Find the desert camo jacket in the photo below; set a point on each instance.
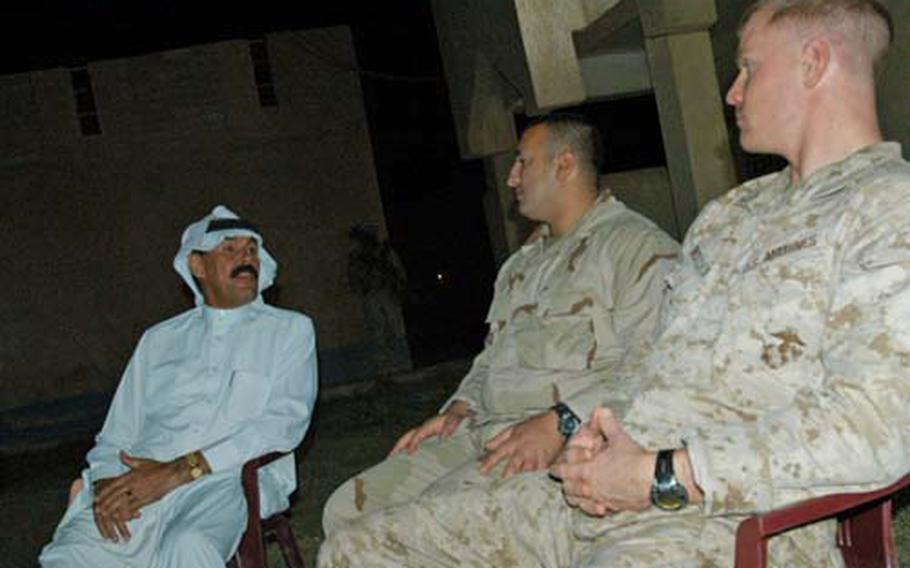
(566, 309)
(783, 363)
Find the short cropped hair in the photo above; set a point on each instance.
(577, 134)
(867, 22)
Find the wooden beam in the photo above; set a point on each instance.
(691, 120)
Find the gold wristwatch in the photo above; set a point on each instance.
(194, 462)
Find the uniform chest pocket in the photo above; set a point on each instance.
(798, 275)
(246, 395)
(558, 335)
(788, 295)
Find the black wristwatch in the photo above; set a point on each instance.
(568, 420)
(667, 492)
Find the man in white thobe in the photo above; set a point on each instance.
(205, 391)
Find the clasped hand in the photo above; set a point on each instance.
(119, 499)
(603, 470)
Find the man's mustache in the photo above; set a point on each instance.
(244, 268)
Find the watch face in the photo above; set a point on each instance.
(568, 422)
(669, 498)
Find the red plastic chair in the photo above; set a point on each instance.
(864, 533)
(251, 552)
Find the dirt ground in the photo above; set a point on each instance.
(353, 428)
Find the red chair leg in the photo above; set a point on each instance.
(866, 539)
(288, 544)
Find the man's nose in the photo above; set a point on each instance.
(514, 178)
(735, 92)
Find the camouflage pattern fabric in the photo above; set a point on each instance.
(564, 312)
(782, 364)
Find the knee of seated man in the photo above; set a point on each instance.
(340, 508)
(360, 495)
(56, 556)
(340, 543)
(188, 540)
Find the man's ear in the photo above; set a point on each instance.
(816, 60)
(197, 268)
(566, 165)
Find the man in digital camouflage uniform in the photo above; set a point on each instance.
(781, 368)
(584, 289)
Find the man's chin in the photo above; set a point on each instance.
(247, 294)
(526, 211)
(748, 143)
(245, 299)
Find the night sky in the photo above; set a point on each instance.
(431, 198)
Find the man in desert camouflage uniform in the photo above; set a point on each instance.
(584, 289)
(781, 368)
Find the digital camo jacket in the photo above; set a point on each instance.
(784, 358)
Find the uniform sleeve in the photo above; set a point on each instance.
(471, 388)
(289, 406)
(639, 265)
(123, 422)
(849, 432)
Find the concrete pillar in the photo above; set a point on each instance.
(688, 100)
(553, 66)
(486, 75)
(647, 191)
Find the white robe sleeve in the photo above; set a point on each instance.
(123, 422)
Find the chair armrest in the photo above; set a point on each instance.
(251, 551)
(820, 508)
(250, 477)
(863, 530)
